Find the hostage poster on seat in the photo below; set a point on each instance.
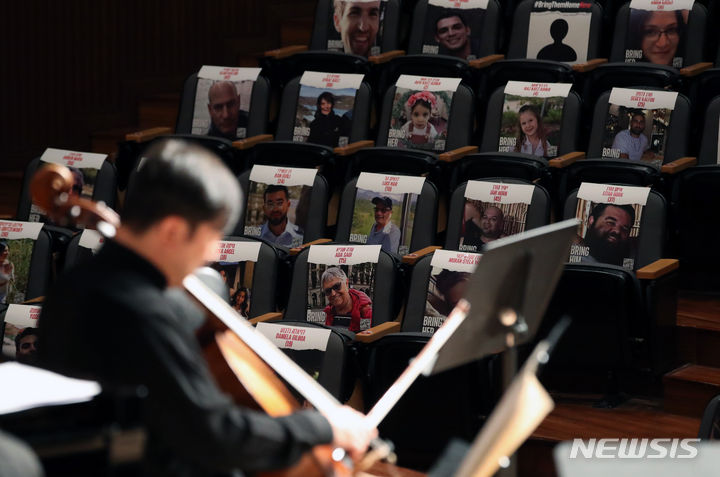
(454, 28)
(356, 27)
(17, 240)
(236, 265)
(559, 31)
(20, 333)
(305, 345)
(657, 31)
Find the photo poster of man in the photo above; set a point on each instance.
(532, 117)
(420, 112)
(356, 27)
(341, 285)
(636, 125)
(384, 212)
(222, 101)
(559, 31)
(236, 265)
(493, 210)
(454, 28)
(20, 332)
(278, 204)
(449, 277)
(325, 108)
(656, 32)
(17, 240)
(84, 167)
(610, 217)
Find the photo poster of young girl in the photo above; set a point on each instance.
(17, 240)
(448, 281)
(222, 101)
(236, 265)
(636, 125)
(420, 112)
(454, 28)
(610, 217)
(84, 167)
(493, 210)
(278, 204)
(341, 285)
(532, 117)
(325, 108)
(20, 332)
(559, 31)
(656, 32)
(356, 27)
(384, 212)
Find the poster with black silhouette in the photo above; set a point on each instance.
(493, 210)
(341, 285)
(84, 167)
(610, 217)
(420, 112)
(636, 125)
(384, 212)
(236, 265)
(356, 27)
(325, 108)
(449, 276)
(532, 117)
(278, 204)
(656, 32)
(222, 101)
(19, 325)
(559, 31)
(454, 28)
(17, 240)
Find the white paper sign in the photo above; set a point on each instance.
(390, 183)
(238, 251)
(295, 337)
(613, 194)
(499, 192)
(643, 99)
(19, 230)
(288, 176)
(426, 83)
(77, 159)
(460, 4)
(662, 5)
(228, 73)
(538, 90)
(343, 254)
(455, 261)
(331, 80)
(91, 239)
(575, 40)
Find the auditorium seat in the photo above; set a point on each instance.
(25, 261)
(710, 424)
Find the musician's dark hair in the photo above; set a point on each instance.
(180, 178)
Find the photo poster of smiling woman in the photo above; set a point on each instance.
(656, 32)
(454, 28)
(356, 27)
(17, 241)
(236, 265)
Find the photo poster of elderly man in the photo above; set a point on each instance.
(384, 212)
(325, 108)
(559, 31)
(532, 117)
(278, 204)
(236, 265)
(84, 167)
(17, 240)
(20, 332)
(222, 101)
(656, 32)
(420, 112)
(493, 210)
(610, 217)
(341, 285)
(454, 28)
(356, 27)
(636, 125)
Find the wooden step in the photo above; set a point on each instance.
(698, 322)
(689, 388)
(158, 110)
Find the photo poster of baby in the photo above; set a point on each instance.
(559, 31)
(454, 28)
(236, 265)
(656, 32)
(19, 326)
(356, 27)
(17, 241)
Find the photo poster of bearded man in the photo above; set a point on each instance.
(636, 125)
(17, 241)
(384, 211)
(493, 210)
(341, 285)
(559, 31)
(356, 27)
(656, 32)
(222, 101)
(236, 265)
(420, 112)
(610, 217)
(325, 108)
(532, 118)
(84, 167)
(278, 204)
(19, 320)
(454, 28)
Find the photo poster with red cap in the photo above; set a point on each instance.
(384, 212)
(236, 265)
(532, 117)
(278, 204)
(493, 210)
(17, 241)
(637, 124)
(222, 101)
(559, 31)
(454, 28)
(657, 32)
(341, 285)
(420, 112)
(84, 167)
(610, 217)
(325, 108)
(449, 277)
(356, 27)
(19, 327)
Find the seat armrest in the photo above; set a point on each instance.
(147, 134)
(658, 269)
(678, 165)
(455, 154)
(296, 250)
(248, 142)
(694, 70)
(566, 159)
(589, 65)
(377, 332)
(485, 61)
(272, 316)
(352, 148)
(285, 51)
(385, 57)
(412, 258)
(32, 301)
